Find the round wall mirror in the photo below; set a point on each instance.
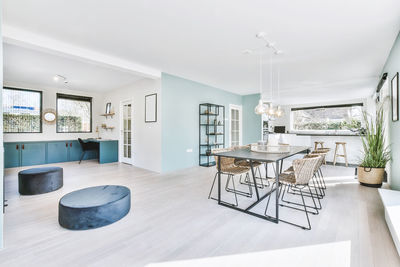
(49, 116)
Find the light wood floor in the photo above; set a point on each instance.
(172, 219)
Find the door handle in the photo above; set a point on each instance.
(70, 144)
(17, 147)
(66, 144)
(23, 147)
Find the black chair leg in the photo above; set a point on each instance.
(83, 154)
(215, 177)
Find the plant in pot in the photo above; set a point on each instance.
(376, 154)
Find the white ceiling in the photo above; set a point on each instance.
(37, 68)
(333, 48)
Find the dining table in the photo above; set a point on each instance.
(252, 157)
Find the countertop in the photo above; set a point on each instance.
(320, 134)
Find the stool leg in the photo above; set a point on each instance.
(334, 158)
(345, 155)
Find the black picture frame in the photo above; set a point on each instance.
(108, 108)
(150, 108)
(395, 97)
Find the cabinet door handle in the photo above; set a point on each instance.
(70, 144)
(66, 144)
(17, 147)
(23, 147)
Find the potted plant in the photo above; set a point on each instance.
(376, 154)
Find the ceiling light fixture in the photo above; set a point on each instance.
(268, 108)
(59, 78)
(260, 108)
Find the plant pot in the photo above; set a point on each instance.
(371, 177)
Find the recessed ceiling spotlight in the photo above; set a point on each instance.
(278, 52)
(59, 78)
(270, 44)
(247, 51)
(261, 35)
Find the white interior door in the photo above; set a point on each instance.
(235, 125)
(126, 132)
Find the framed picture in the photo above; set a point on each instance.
(150, 114)
(395, 97)
(108, 108)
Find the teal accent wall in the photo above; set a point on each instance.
(180, 119)
(392, 66)
(251, 121)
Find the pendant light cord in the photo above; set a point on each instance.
(260, 75)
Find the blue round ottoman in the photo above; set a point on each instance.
(94, 207)
(40, 180)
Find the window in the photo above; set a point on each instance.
(327, 118)
(74, 114)
(22, 111)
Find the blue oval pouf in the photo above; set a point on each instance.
(40, 180)
(94, 207)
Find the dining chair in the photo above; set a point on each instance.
(229, 168)
(256, 167)
(299, 177)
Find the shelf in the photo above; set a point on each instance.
(211, 144)
(108, 115)
(208, 164)
(108, 128)
(214, 123)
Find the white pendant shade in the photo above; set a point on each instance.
(260, 108)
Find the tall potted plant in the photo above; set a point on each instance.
(376, 154)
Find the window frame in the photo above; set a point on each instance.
(41, 109)
(360, 104)
(78, 98)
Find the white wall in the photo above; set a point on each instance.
(49, 101)
(146, 138)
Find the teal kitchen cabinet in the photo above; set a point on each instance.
(108, 151)
(33, 153)
(57, 151)
(17, 154)
(75, 151)
(11, 155)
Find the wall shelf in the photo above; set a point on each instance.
(108, 115)
(211, 131)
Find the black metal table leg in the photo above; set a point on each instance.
(219, 179)
(254, 179)
(277, 192)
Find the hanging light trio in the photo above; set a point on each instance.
(267, 107)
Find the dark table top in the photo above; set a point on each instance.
(264, 157)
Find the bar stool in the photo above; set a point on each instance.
(344, 155)
(316, 143)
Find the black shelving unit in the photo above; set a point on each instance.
(211, 131)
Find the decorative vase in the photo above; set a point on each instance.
(371, 177)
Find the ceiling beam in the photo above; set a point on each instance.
(12, 35)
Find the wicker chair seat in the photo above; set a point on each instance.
(287, 177)
(234, 170)
(245, 163)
